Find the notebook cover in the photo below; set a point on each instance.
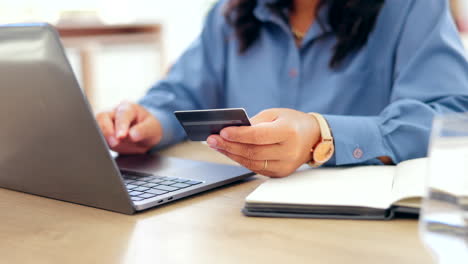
(389, 214)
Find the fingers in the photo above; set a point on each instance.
(146, 132)
(258, 166)
(130, 129)
(106, 123)
(249, 151)
(260, 134)
(265, 130)
(125, 115)
(278, 136)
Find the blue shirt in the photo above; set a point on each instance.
(380, 102)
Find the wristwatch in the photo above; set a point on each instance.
(324, 149)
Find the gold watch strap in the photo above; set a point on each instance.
(325, 135)
(324, 128)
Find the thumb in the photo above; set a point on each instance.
(268, 115)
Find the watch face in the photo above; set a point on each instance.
(323, 152)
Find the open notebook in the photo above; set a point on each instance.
(365, 192)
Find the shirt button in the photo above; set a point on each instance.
(357, 153)
(293, 73)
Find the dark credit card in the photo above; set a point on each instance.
(199, 124)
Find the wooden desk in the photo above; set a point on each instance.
(207, 228)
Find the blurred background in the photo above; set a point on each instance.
(119, 48)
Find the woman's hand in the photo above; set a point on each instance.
(278, 142)
(130, 128)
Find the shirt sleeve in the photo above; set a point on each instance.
(194, 81)
(430, 78)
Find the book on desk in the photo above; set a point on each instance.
(364, 192)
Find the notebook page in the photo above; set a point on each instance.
(366, 186)
(410, 179)
(449, 165)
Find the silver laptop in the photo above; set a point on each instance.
(50, 144)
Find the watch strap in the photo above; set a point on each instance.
(325, 131)
(325, 135)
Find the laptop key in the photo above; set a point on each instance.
(136, 199)
(193, 182)
(157, 181)
(135, 193)
(139, 183)
(156, 191)
(146, 195)
(141, 189)
(150, 185)
(167, 182)
(166, 188)
(146, 179)
(131, 186)
(181, 185)
(168, 178)
(181, 180)
(129, 181)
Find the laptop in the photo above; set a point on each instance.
(51, 146)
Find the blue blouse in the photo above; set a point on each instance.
(380, 102)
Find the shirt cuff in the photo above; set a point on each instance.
(358, 139)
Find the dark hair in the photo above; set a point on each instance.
(351, 21)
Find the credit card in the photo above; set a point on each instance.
(199, 124)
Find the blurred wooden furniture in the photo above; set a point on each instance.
(206, 228)
(85, 38)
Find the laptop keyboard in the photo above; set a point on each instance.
(146, 186)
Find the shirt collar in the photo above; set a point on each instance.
(263, 13)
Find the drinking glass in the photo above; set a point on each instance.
(443, 224)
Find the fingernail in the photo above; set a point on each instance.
(113, 141)
(211, 142)
(224, 134)
(121, 134)
(134, 134)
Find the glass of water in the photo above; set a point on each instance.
(443, 222)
